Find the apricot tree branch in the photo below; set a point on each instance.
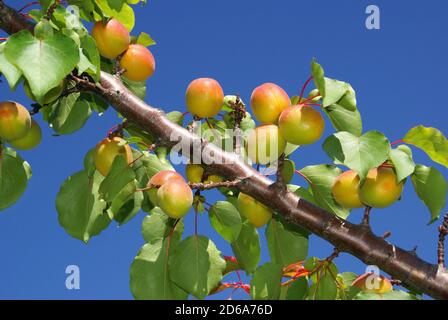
(347, 237)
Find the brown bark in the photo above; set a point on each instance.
(357, 240)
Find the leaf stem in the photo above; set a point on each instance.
(304, 87)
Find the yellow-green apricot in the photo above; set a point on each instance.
(194, 173)
(265, 144)
(31, 140)
(138, 63)
(111, 37)
(369, 282)
(49, 97)
(301, 125)
(380, 189)
(107, 150)
(346, 190)
(15, 120)
(175, 198)
(254, 211)
(158, 180)
(204, 97)
(268, 101)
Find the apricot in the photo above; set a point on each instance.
(254, 211)
(380, 189)
(204, 97)
(175, 198)
(265, 144)
(111, 37)
(301, 125)
(159, 179)
(194, 173)
(49, 97)
(31, 140)
(369, 282)
(107, 150)
(138, 63)
(346, 190)
(15, 120)
(268, 101)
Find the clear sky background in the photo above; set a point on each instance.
(398, 72)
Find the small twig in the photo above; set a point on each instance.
(238, 114)
(51, 10)
(35, 108)
(366, 218)
(386, 235)
(443, 232)
(304, 87)
(395, 282)
(280, 162)
(212, 185)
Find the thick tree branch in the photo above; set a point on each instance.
(347, 237)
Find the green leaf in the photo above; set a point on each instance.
(127, 203)
(81, 211)
(347, 291)
(318, 76)
(145, 40)
(226, 220)
(44, 63)
(344, 120)
(11, 73)
(324, 289)
(150, 275)
(431, 187)
(392, 295)
(69, 114)
(286, 243)
(91, 56)
(302, 193)
(431, 141)
(120, 174)
(197, 266)
(119, 10)
(298, 290)
(358, 153)
(137, 88)
(290, 148)
(403, 163)
(265, 284)
(158, 225)
(247, 248)
(176, 117)
(322, 178)
(14, 176)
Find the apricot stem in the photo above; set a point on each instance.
(34, 3)
(310, 99)
(3, 39)
(303, 176)
(304, 87)
(366, 218)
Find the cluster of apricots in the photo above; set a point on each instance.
(17, 127)
(379, 190)
(114, 42)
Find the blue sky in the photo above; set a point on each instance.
(398, 73)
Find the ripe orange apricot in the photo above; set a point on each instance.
(380, 189)
(49, 97)
(107, 150)
(175, 198)
(158, 180)
(301, 124)
(138, 62)
(346, 190)
(15, 120)
(31, 140)
(112, 38)
(265, 144)
(268, 101)
(256, 212)
(194, 173)
(204, 97)
(369, 282)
